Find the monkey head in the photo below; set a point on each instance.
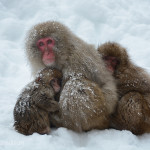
(114, 55)
(50, 78)
(46, 44)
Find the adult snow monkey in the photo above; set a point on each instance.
(88, 95)
(133, 84)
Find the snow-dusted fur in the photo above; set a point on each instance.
(74, 58)
(133, 83)
(36, 101)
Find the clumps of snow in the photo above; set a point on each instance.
(35, 85)
(24, 98)
(23, 105)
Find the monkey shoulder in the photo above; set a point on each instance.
(133, 78)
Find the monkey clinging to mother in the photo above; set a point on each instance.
(88, 94)
(133, 86)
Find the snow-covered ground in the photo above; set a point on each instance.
(95, 21)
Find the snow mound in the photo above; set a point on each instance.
(95, 21)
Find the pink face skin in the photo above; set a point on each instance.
(111, 63)
(45, 45)
(55, 84)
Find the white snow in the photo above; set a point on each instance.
(95, 21)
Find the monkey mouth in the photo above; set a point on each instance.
(49, 62)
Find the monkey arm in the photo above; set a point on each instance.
(48, 104)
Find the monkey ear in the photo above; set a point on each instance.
(38, 79)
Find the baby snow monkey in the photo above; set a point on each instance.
(37, 100)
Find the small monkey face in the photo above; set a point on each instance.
(50, 78)
(111, 63)
(55, 83)
(45, 45)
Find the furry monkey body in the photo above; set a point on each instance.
(81, 64)
(36, 102)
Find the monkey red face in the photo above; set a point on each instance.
(111, 63)
(45, 45)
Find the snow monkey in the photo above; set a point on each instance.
(133, 83)
(88, 88)
(37, 100)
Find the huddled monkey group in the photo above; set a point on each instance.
(79, 87)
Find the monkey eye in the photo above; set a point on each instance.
(49, 41)
(41, 43)
(114, 61)
(52, 82)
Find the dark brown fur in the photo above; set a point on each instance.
(33, 107)
(133, 84)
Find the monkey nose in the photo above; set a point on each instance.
(46, 48)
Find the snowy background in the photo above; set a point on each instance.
(95, 21)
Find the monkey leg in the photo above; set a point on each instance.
(83, 106)
(47, 104)
(131, 114)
